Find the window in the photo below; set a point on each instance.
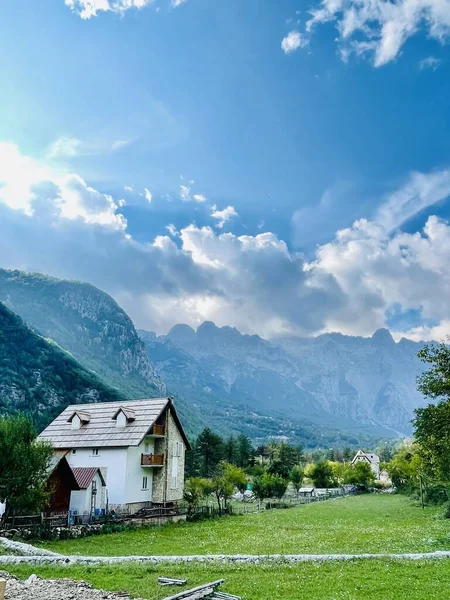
(174, 476)
(146, 447)
(74, 451)
(177, 448)
(94, 451)
(145, 483)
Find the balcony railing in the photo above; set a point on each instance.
(152, 460)
(158, 430)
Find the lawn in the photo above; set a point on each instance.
(365, 580)
(369, 523)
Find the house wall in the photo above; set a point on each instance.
(163, 490)
(81, 500)
(375, 465)
(60, 485)
(134, 493)
(112, 462)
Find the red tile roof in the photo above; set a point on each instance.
(85, 475)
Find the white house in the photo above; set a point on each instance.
(138, 445)
(370, 458)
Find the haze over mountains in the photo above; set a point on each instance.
(328, 390)
(365, 384)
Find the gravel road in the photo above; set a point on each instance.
(61, 589)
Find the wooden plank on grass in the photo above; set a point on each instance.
(189, 594)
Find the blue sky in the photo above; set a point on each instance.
(238, 137)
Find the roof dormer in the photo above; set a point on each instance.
(124, 416)
(79, 418)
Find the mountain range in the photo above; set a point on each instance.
(354, 383)
(323, 391)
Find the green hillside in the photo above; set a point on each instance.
(39, 378)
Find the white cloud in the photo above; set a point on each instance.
(64, 146)
(128, 188)
(55, 222)
(200, 198)
(431, 62)
(222, 216)
(177, 3)
(172, 230)
(185, 193)
(293, 41)
(419, 192)
(119, 144)
(382, 27)
(148, 194)
(23, 180)
(90, 8)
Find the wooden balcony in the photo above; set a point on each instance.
(157, 431)
(152, 460)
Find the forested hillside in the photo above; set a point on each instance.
(39, 378)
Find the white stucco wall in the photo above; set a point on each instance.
(80, 501)
(112, 462)
(134, 492)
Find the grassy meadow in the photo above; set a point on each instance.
(372, 523)
(356, 580)
(368, 523)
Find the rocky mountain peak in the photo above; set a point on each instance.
(383, 336)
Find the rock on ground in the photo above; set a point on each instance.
(54, 589)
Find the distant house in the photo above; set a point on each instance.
(370, 458)
(307, 492)
(136, 446)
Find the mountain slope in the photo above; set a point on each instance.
(359, 384)
(86, 322)
(38, 378)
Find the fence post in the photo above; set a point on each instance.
(2, 589)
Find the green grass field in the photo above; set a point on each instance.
(376, 523)
(365, 580)
(369, 523)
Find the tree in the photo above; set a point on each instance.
(209, 450)
(227, 477)
(245, 452)
(404, 468)
(360, 472)
(24, 466)
(259, 488)
(284, 457)
(321, 474)
(432, 423)
(195, 490)
(296, 478)
(230, 450)
(279, 486)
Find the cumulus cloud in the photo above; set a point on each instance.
(379, 28)
(87, 9)
(72, 198)
(57, 223)
(223, 216)
(200, 198)
(293, 41)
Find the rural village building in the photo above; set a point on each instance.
(135, 447)
(369, 457)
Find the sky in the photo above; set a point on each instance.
(279, 167)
